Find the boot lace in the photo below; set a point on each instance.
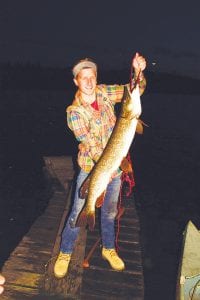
(64, 256)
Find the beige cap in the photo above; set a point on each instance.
(83, 64)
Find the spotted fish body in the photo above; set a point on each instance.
(116, 149)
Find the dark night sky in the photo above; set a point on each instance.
(58, 33)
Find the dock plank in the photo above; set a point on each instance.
(29, 269)
(25, 269)
(100, 279)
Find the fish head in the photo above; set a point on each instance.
(131, 105)
(126, 102)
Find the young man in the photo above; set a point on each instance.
(91, 117)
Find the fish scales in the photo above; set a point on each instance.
(116, 149)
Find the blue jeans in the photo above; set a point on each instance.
(108, 214)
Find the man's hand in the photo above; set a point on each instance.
(139, 63)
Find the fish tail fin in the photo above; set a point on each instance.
(91, 220)
(100, 200)
(86, 219)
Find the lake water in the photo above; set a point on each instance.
(167, 170)
(165, 159)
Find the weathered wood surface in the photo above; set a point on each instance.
(26, 268)
(29, 270)
(99, 280)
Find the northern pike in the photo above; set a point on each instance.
(115, 151)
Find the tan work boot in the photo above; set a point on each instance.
(114, 260)
(62, 264)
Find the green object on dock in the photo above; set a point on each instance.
(188, 283)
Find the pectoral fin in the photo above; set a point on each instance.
(140, 126)
(83, 192)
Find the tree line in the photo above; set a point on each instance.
(29, 76)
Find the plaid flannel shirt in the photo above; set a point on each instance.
(92, 128)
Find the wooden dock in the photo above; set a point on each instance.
(29, 269)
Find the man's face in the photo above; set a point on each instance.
(86, 81)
